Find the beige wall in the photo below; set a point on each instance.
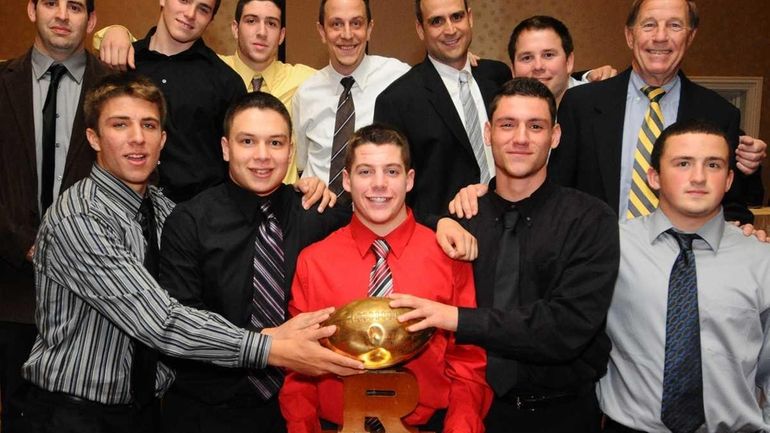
(733, 38)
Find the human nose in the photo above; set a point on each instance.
(62, 12)
(698, 174)
(661, 32)
(136, 134)
(260, 151)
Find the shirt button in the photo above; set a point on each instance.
(57, 115)
(58, 178)
(58, 145)
(163, 81)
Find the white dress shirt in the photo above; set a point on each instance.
(451, 79)
(314, 108)
(733, 274)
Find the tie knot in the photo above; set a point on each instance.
(267, 209)
(465, 77)
(347, 82)
(380, 248)
(654, 93)
(256, 83)
(510, 218)
(145, 209)
(56, 70)
(683, 239)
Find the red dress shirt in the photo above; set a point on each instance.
(336, 270)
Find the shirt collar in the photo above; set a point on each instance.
(528, 206)
(143, 46)
(270, 76)
(396, 239)
(360, 74)
(116, 190)
(75, 64)
(637, 84)
(449, 73)
(249, 203)
(711, 232)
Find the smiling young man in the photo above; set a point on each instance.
(259, 30)
(42, 152)
(440, 106)
(690, 316)
(339, 98)
(383, 234)
(100, 312)
(216, 249)
(548, 258)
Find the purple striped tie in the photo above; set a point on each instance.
(268, 303)
(380, 279)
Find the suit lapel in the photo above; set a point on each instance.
(610, 108)
(442, 103)
(78, 143)
(17, 82)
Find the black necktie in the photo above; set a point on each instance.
(268, 299)
(49, 137)
(145, 359)
(344, 126)
(501, 372)
(682, 400)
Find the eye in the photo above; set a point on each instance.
(119, 124)
(676, 26)
(649, 26)
(525, 58)
(506, 125)
(250, 20)
(714, 164)
(683, 163)
(273, 24)
(364, 171)
(457, 16)
(436, 21)
(247, 141)
(276, 143)
(549, 55)
(357, 24)
(393, 172)
(149, 125)
(76, 7)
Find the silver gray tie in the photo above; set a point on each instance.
(472, 126)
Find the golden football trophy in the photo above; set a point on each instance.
(369, 331)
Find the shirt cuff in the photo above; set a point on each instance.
(471, 325)
(256, 348)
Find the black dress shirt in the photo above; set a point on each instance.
(207, 253)
(198, 88)
(568, 265)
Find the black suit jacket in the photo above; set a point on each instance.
(591, 119)
(418, 104)
(19, 214)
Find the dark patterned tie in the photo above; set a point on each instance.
(501, 371)
(268, 302)
(145, 360)
(256, 83)
(49, 137)
(682, 401)
(344, 125)
(380, 278)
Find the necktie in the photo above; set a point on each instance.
(501, 372)
(641, 198)
(145, 359)
(268, 301)
(256, 83)
(49, 136)
(380, 278)
(472, 126)
(344, 125)
(682, 401)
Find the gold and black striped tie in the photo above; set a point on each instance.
(642, 200)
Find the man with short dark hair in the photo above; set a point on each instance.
(384, 250)
(100, 312)
(548, 258)
(690, 315)
(440, 106)
(259, 29)
(339, 98)
(43, 150)
(609, 127)
(214, 249)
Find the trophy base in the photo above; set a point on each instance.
(387, 395)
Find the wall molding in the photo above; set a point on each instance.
(743, 92)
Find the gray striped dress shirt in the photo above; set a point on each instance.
(94, 297)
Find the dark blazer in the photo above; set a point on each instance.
(418, 104)
(19, 215)
(591, 119)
